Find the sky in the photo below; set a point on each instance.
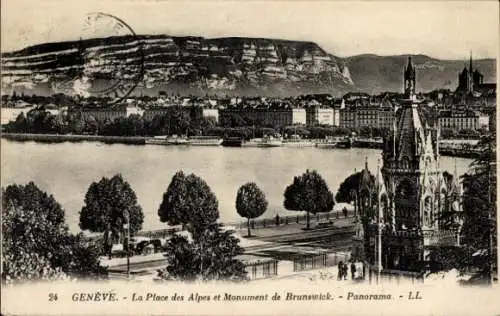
(442, 29)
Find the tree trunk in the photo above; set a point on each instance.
(308, 221)
(248, 225)
(108, 243)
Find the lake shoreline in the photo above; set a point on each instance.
(61, 138)
(141, 140)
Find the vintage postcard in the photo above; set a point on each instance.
(249, 157)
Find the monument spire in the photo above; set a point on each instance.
(470, 62)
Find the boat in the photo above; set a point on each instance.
(205, 141)
(157, 140)
(266, 141)
(166, 140)
(329, 143)
(232, 142)
(297, 142)
(176, 140)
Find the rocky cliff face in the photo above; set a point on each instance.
(178, 64)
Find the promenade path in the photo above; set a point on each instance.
(268, 233)
(282, 243)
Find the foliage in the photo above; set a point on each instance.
(189, 201)
(37, 120)
(344, 193)
(308, 192)
(250, 202)
(479, 200)
(211, 257)
(209, 253)
(36, 243)
(106, 205)
(478, 216)
(318, 132)
(296, 130)
(350, 184)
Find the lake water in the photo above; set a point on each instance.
(67, 169)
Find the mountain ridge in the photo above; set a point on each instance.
(233, 65)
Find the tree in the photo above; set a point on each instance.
(20, 125)
(212, 257)
(36, 243)
(309, 193)
(179, 121)
(250, 202)
(478, 217)
(106, 205)
(350, 184)
(209, 253)
(479, 206)
(349, 190)
(189, 201)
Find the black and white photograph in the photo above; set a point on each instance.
(249, 157)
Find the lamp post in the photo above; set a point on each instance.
(126, 225)
(380, 226)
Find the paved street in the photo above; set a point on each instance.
(275, 232)
(278, 242)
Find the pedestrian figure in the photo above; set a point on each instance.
(353, 270)
(344, 270)
(277, 220)
(344, 210)
(340, 272)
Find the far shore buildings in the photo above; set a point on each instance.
(98, 113)
(401, 210)
(471, 107)
(471, 81)
(263, 116)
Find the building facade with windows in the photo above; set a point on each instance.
(99, 114)
(213, 113)
(359, 115)
(460, 119)
(320, 116)
(261, 116)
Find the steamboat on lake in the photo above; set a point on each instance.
(296, 141)
(183, 140)
(264, 142)
(335, 142)
(167, 140)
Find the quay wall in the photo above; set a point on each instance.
(59, 138)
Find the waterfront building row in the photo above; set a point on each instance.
(348, 117)
(466, 119)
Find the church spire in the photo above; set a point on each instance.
(410, 66)
(470, 62)
(470, 75)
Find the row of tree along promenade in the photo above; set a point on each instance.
(38, 245)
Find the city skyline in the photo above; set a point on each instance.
(463, 25)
